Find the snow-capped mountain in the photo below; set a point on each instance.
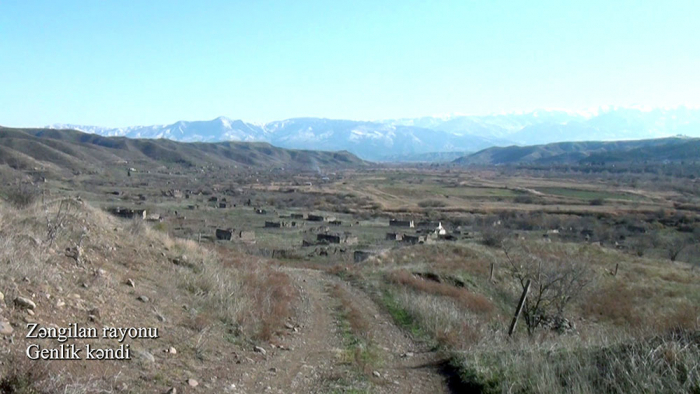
(391, 139)
(368, 140)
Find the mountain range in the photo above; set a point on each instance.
(408, 139)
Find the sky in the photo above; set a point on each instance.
(125, 63)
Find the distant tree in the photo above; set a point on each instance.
(673, 244)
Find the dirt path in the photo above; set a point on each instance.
(309, 361)
(409, 367)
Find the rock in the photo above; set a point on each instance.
(5, 328)
(289, 326)
(376, 374)
(130, 283)
(30, 312)
(172, 390)
(95, 312)
(143, 298)
(101, 272)
(192, 383)
(260, 350)
(2, 297)
(172, 350)
(60, 303)
(92, 318)
(407, 354)
(273, 370)
(25, 303)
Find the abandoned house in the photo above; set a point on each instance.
(360, 256)
(222, 205)
(346, 238)
(276, 224)
(412, 239)
(393, 237)
(128, 213)
(401, 223)
(224, 235)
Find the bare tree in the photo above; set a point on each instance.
(557, 277)
(673, 244)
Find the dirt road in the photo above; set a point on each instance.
(309, 359)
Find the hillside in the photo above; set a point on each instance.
(590, 151)
(73, 150)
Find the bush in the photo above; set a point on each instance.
(597, 201)
(493, 236)
(431, 204)
(22, 195)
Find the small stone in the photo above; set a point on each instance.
(407, 354)
(130, 283)
(60, 303)
(92, 318)
(2, 297)
(5, 328)
(95, 312)
(289, 326)
(192, 383)
(376, 374)
(30, 312)
(25, 303)
(143, 298)
(85, 285)
(260, 350)
(172, 390)
(172, 350)
(101, 272)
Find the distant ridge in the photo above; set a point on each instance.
(71, 151)
(673, 149)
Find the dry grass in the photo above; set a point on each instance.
(476, 303)
(620, 341)
(660, 364)
(190, 289)
(360, 349)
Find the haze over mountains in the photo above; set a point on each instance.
(416, 138)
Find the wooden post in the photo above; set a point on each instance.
(520, 308)
(491, 274)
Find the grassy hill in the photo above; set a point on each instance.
(675, 148)
(72, 150)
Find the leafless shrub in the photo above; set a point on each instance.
(493, 236)
(21, 194)
(557, 277)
